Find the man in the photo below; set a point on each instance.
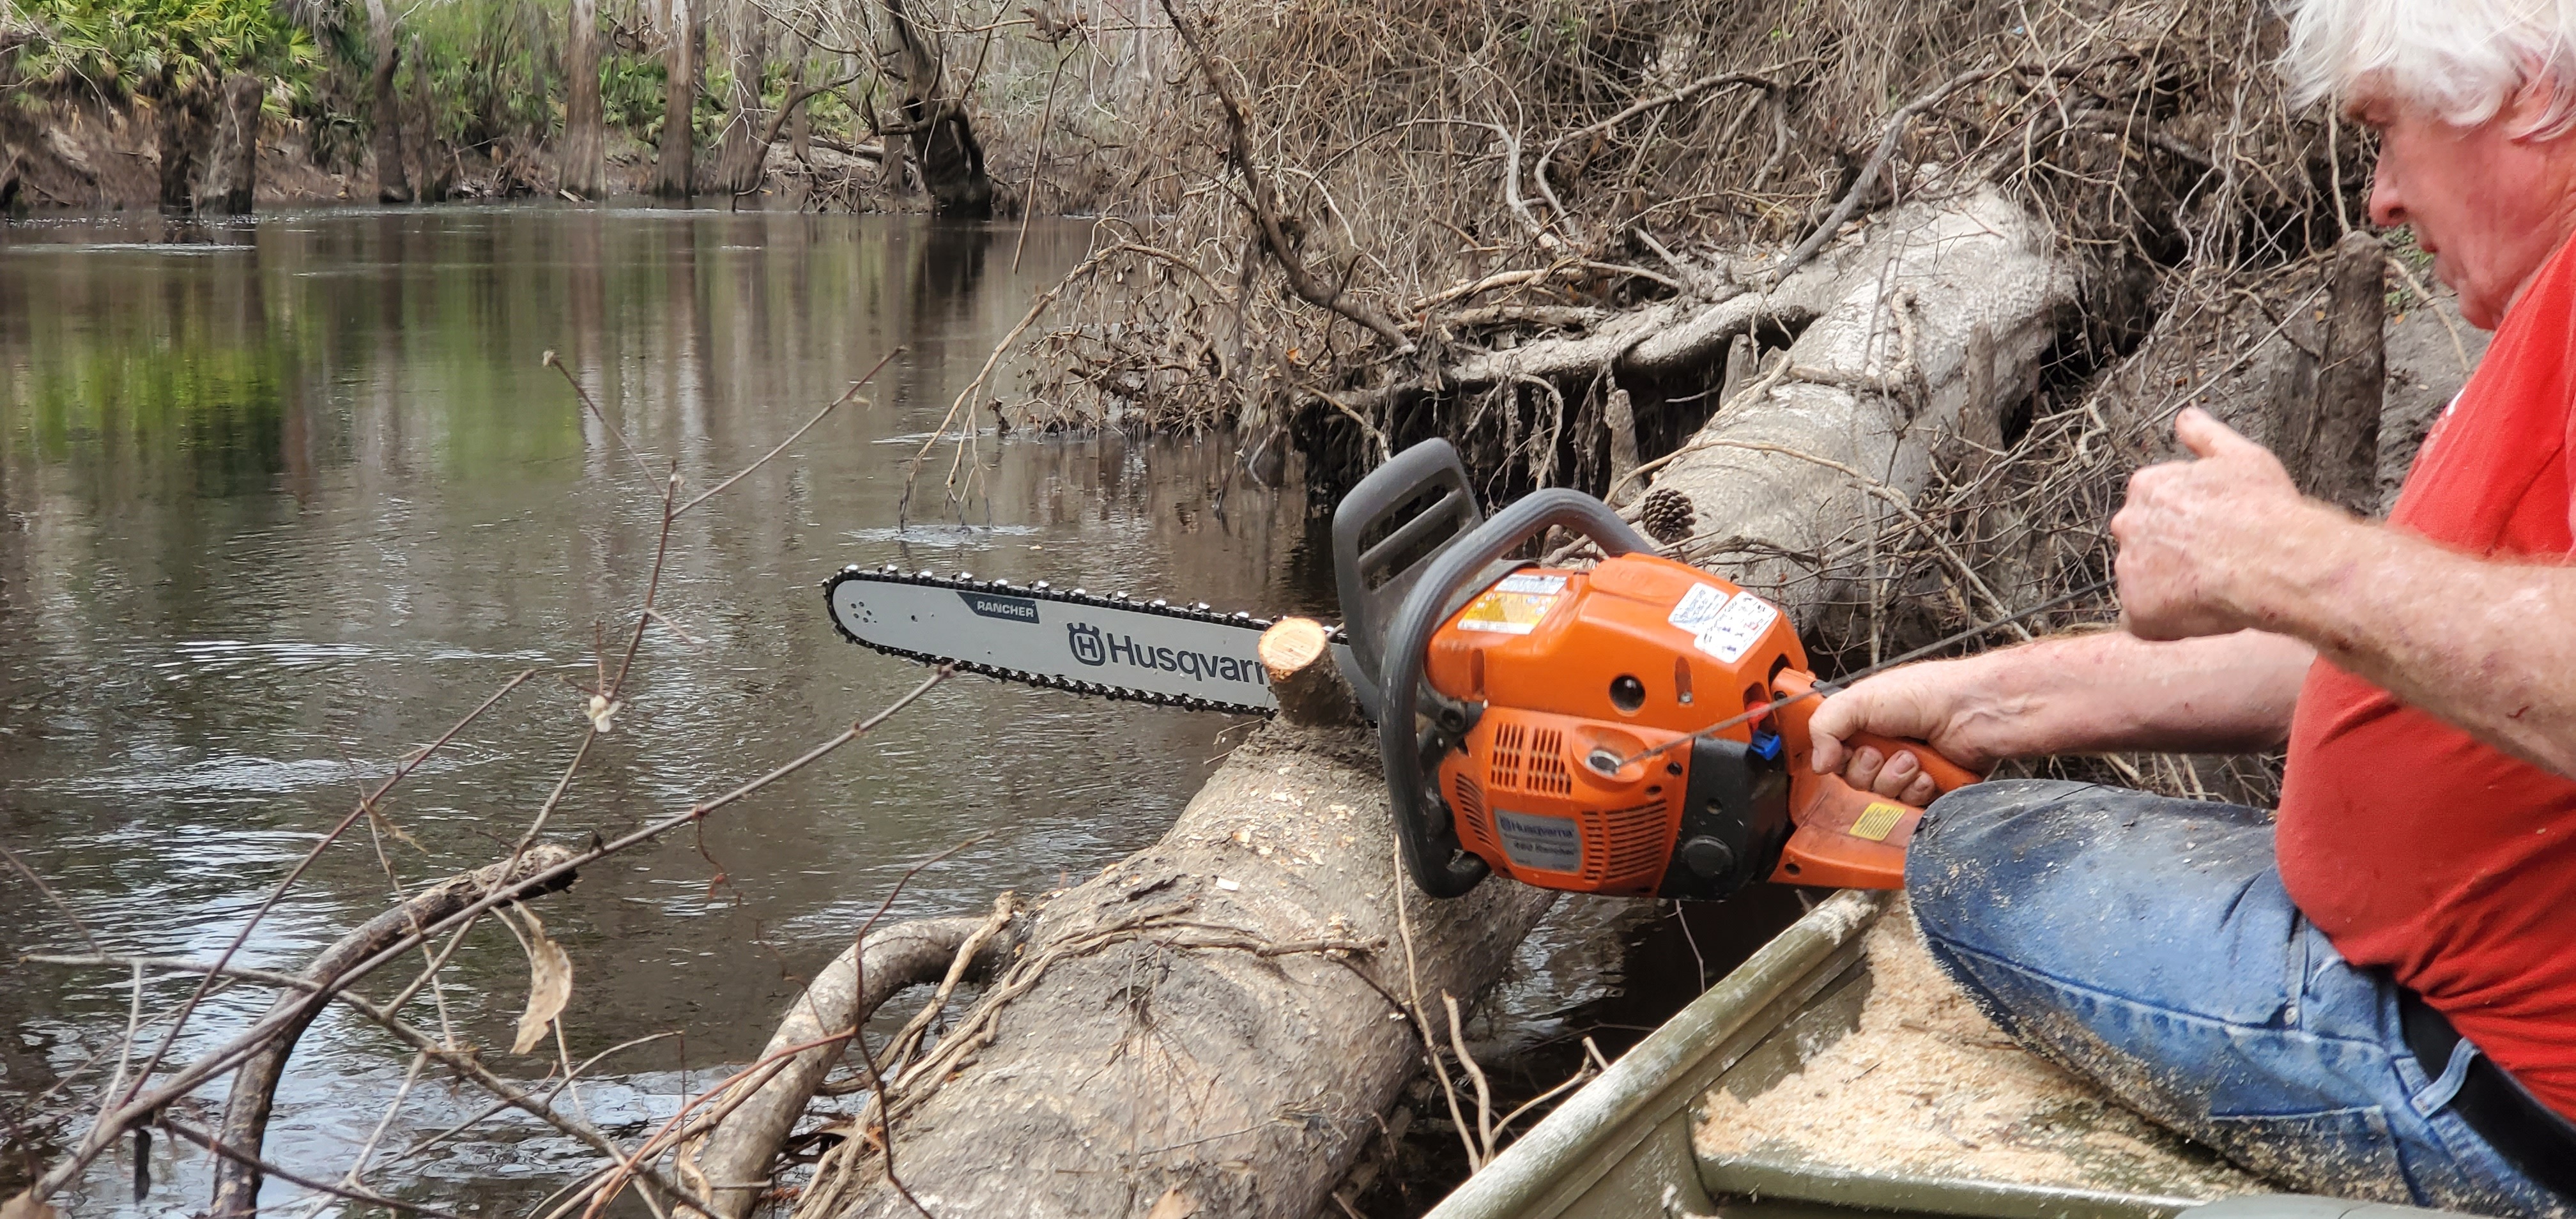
(2376, 995)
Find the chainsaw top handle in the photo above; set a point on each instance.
(1423, 828)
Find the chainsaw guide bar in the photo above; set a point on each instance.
(1116, 646)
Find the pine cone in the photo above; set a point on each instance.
(1667, 515)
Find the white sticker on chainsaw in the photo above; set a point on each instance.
(1698, 608)
(1737, 628)
(1548, 844)
(1524, 583)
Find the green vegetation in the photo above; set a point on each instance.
(158, 48)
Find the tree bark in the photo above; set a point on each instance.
(2340, 441)
(675, 173)
(182, 125)
(437, 165)
(1790, 472)
(384, 110)
(943, 141)
(241, 169)
(1217, 1016)
(800, 123)
(742, 154)
(585, 134)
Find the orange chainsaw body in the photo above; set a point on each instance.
(1579, 673)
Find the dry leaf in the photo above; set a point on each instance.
(1175, 1205)
(549, 986)
(25, 1206)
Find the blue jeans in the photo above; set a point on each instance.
(2146, 944)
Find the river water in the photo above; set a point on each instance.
(279, 506)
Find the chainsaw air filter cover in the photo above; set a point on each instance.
(1577, 675)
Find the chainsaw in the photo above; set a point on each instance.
(1636, 729)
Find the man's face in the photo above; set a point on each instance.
(2488, 204)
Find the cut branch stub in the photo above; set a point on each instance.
(1309, 686)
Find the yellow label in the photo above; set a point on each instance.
(1876, 821)
(1506, 611)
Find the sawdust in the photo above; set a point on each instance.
(1927, 1086)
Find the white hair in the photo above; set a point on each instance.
(2462, 59)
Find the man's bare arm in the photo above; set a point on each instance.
(2095, 693)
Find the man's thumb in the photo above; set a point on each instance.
(2202, 434)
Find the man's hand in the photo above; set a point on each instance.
(2195, 534)
(1923, 702)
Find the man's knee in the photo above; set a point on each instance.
(1975, 850)
(2016, 869)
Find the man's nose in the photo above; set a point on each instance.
(2387, 206)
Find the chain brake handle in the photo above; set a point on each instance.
(1424, 832)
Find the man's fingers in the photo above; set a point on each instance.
(1862, 770)
(1899, 774)
(1921, 791)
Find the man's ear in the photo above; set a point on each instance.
(2537, 112)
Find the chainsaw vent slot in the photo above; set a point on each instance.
(1633, 841)
(1530, 761)
(1504, 771)
(1467, 814)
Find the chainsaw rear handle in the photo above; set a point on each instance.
(1796, 706)
(1424, 832)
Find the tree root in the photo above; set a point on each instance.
(729, 1163)
(254, 1093)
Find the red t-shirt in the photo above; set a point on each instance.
(2410, 844)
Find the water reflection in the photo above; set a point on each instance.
(275, 511)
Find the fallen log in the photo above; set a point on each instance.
(1215, 1025)
(1933, 325)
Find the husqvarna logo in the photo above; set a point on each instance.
(1095, 647)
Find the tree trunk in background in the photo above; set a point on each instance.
(943, 142)
(241, 170)
(438, 168)
(385, 114)
(742, 156)
(180, 127)
(675, 173)
(584, 133)
(800, 125)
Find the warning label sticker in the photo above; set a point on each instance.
(1737, 627)
(1698, 608)
(1877, 821)
(1513, 606)
(1551, 844)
